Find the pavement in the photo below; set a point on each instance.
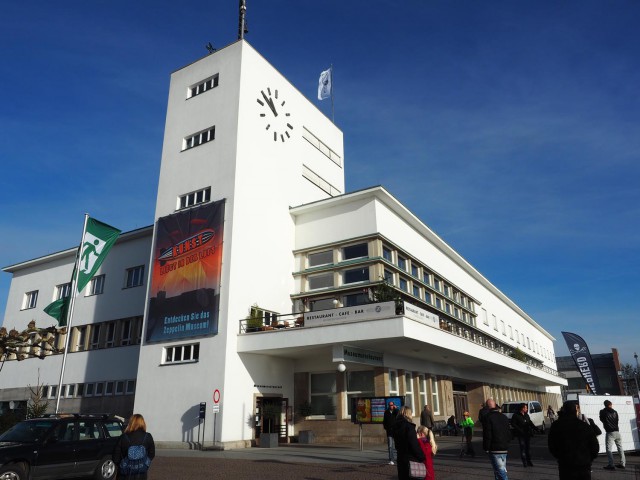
(338, 462)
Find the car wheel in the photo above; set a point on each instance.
(13, 472)
(106, 469)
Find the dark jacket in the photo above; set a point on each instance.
(389, 421)
(482, 414)
(495, 432)
(609, 418)
(522, 425)
(573, 443)
(426, 418)
(407, 446)
(134, 438)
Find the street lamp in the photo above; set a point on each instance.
(635, 374)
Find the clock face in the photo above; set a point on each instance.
(275, 114)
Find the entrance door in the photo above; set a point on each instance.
(460, 405)
(271, 417)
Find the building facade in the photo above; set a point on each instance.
(260, 276)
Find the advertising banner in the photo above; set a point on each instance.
(371, 409)
(185, 281)
(582, 358)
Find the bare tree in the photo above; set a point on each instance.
(32, 342)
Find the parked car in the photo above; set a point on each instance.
(535, 412)
(60, 446)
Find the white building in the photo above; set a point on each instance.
(252, 221)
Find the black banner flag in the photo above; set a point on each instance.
(581, 356)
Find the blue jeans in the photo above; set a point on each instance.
(393, 455)
(614, 437)
(499, 464)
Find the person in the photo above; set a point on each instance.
(523, 429)
(406, 442)
(135, 434)
(426, 418)
(551, 415)
(609, 419)
(388, 422)
(428, 445)
(573, 443)
(452, 426)
(484, 410)
(495, 439)
(467, 430)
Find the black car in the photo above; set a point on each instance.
(61, 446)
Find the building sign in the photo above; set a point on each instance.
(370, 311)
(185, 281)
(421, 315)
(345, 353)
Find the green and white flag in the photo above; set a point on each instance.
(98, 240)
(59, 310)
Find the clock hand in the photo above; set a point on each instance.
(270, 103)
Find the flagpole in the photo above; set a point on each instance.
(333, 117)
(74, 282)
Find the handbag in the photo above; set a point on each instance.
(417, 469)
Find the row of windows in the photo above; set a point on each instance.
(194, 198)
(199, 138)
(181, 354)
(93, 389)
(519, 337)
(134, 277)
(203, 86)
(324, 394)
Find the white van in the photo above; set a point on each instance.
(535, 412)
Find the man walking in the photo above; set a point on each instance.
(495, 439)
(426, 418)
(388, 422)
(573, 443)
(609, 418)
(523, 429)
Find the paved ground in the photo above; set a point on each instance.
(331, 462)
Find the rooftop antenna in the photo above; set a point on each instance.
(242, 24)
(210, 47)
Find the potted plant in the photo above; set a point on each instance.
(254, 321)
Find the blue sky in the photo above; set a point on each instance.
(512, 129)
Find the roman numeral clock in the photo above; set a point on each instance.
(274, 113)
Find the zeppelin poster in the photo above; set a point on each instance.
(185, 282)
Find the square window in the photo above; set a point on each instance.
(320, 258)
(63, 291)
(355, 251)
(30, 300)
(96, 285)
(322, 280)
(386, 254)
(134, 276)
(356, 275)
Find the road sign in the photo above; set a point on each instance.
(216, 408)
(216, 396)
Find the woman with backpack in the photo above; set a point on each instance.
(135, 450)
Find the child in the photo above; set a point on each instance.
(429, 448)
(467, 425)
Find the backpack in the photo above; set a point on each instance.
(137, 462)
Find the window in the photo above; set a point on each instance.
(422, 393)
(53, 391)
(95, 337)
(502, 327)
(182, 353)
(320, 258)
(388, 277)
(456, 312)
(436, 284)
(435, 402)
(393, 383)
(386, 254)
(402, 263)
(416, 291)
(359, 384)
(194, 198)
(99, 389)
(199, 138)
(89, 430)
(408, 390)
(125, 337)
(427, 296)
(81, 338)
(438, 303)
(355, 299)
(447, 290)
(323, 394)
(322, 280)
(356, 275)
(131, 387)
(426, 278)
(111, 334)
(355, 251)
(80, 390)
(119, 387)
(414, 270)
(134, 276)
(322, 304)
(109, 388)
(403, 284)
(495, 322)
(485, 318)
(71, 390)
(204, 86)
(89, 389)
(96, 285)
(511, 332)
(30, 300)
(63, 291)
(447, 307)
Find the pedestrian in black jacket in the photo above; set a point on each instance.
(573, 443)
(135, 434)
(523, 429)
(406, 439)
(495, 439)
(609, 419)
(388, 422)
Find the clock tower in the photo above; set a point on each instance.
(240, 135)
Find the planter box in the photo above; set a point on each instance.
(268, 440)
(306, 436)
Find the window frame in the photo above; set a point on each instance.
(131, 275)
(30, 300)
